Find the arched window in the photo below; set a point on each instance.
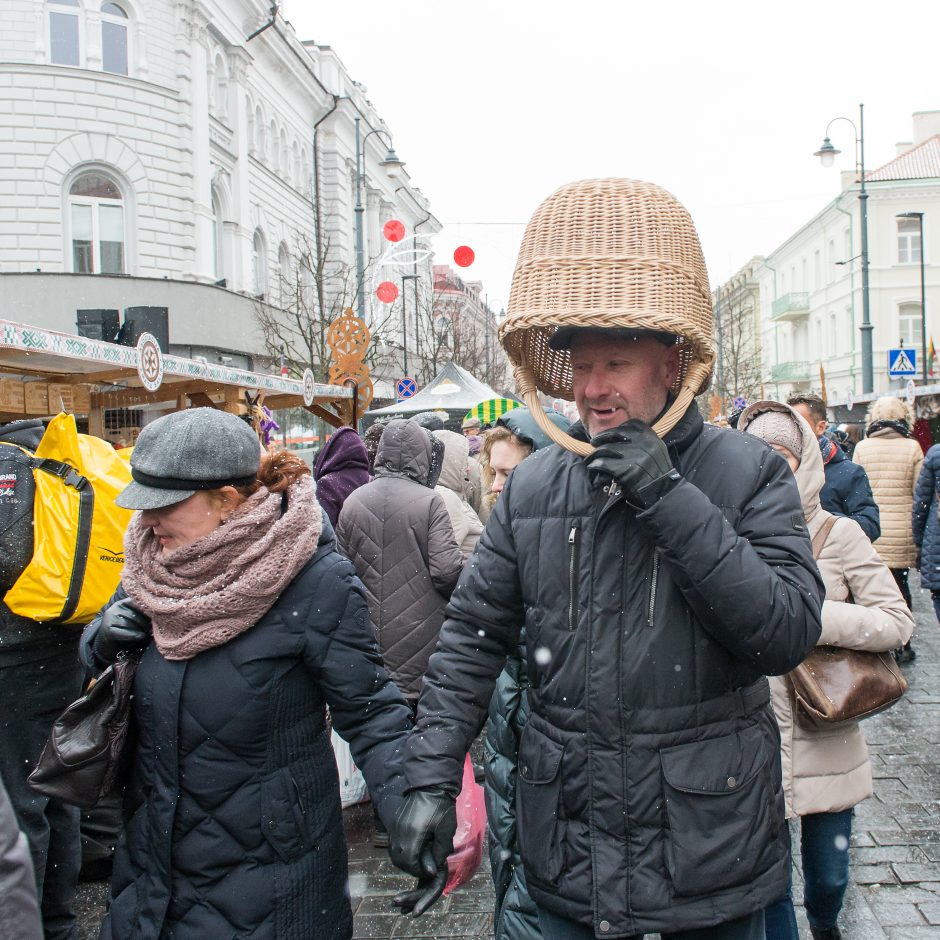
(271, 153)
(218, 237)
(284, 275)
(259, 265)
(833, 335)
(220, 87)
(259, 133)
(64, 45)
(284, 158)
(96, 224)
(114, 24)
(296, 171)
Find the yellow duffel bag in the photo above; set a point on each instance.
(78, 531)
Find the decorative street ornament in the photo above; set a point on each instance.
(348, 338)
(387, 292)
(310, 387)
(464, 256)
(149, 362)
(393, 230)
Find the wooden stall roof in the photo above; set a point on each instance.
(113, 373)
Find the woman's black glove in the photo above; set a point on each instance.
(635, 458)
(422, 837)
(122, 628)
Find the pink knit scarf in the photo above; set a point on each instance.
(205, 593)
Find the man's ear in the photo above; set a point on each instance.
(672, 365)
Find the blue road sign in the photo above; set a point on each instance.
(902, 362)
(406, 387)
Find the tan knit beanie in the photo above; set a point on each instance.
(778, 427)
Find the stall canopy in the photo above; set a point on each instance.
(43, 372)
(453, 390)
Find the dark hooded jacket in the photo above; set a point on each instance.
(847, 491)
(649, 790)
(233, 823)
(398, 534)
(342, 466)
(926, 519)
(22, 639)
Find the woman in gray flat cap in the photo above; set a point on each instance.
(250, 624)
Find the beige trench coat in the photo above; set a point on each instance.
(828, 770)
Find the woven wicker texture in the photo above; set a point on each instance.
(608, 253)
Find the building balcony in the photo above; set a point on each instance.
(795, 371)
(792, 306)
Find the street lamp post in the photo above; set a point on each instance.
(827, 154)
(923, 290)
(404, 316)
(392, 165)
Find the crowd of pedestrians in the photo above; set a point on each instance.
(621, 625)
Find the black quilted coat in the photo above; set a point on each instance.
(233, 824)
(649, 794)
(515, 916)
(397, 532)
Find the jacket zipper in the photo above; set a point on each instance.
(654, 577)
(573, 553)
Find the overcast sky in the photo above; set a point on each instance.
(493, 105)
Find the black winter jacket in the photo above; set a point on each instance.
(515, 916)
(649, 792)
(233, 823)
(848, 493)
(925, 520)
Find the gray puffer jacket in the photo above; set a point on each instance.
(397, 533)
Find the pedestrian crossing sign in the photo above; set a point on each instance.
(902, 362)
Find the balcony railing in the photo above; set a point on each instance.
(792, 306)
(794, 371)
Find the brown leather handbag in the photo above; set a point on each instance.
(88, 749)
(834, 685)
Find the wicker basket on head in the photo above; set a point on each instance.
(607, 253)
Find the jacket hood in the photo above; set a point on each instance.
(26, 433)
(454, 471)
(407, 450)
(810, 475)
(343, 451)
(524, 426)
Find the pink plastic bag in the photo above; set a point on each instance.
(468, 839)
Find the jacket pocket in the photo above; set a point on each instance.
(283, 816)
(720, 812)
(538, 804)
(574, 573)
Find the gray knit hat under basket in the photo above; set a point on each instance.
(607, 253)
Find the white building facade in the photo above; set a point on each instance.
(188, 155)
(810, 288)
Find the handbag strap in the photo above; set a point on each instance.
(819, 539)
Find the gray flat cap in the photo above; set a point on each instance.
(196, 449)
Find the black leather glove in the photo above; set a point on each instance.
(123, 628)
(636, 459)
(422, 837)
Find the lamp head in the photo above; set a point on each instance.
(392, 164)
(827, 153)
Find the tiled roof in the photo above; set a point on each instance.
(920, 162)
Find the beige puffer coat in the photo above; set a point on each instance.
(825, 771)
(892, 462)
(453, 486)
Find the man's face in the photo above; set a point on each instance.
(615, 380)
(803, 411)
(470, 429)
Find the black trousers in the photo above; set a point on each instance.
(32, 695)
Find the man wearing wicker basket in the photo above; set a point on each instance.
(661, 569)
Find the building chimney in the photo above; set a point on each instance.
(902, 147)
(849, 178)
(926, 124)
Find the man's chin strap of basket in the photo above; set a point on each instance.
(694, 380)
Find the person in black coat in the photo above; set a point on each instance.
(250, 625)
(658, 582)
(925, 521)
(847, 491)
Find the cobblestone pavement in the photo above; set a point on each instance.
(895, 888)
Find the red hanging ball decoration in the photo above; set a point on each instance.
(464, 256)
(393, 230)
(387, 292)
